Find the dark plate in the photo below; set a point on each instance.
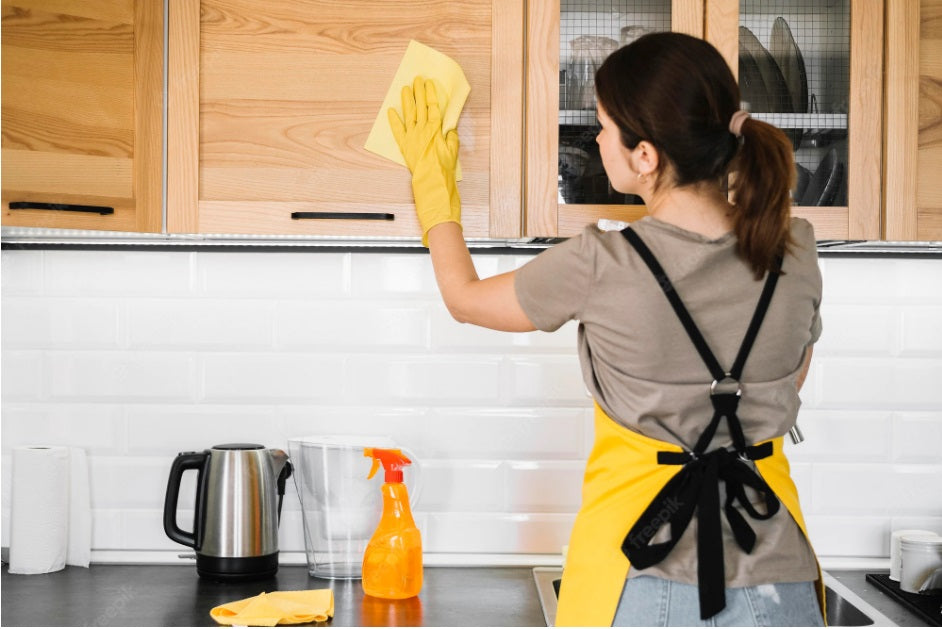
(785, 51)
(773, 83)
(825, 182)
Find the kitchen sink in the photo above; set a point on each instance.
(844, 608)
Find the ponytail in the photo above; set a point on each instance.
(763, 176)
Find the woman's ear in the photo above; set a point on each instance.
(647, 158)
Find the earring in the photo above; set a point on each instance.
(642, 178)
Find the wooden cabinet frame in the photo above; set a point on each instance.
(718, 22)
(505, 170)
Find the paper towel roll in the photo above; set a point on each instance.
(47, 497)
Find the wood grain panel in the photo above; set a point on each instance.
(865, 121)
(542, 119)
(183, 120)
(506, 122)
(574, 218)
(721, 28)
(42, 30)
(902, 119)
(82, 109)
(148, 114)
(109, 10)
(247, 217)
(930, 223)
(929, 141)
(287, 95)
(830, 223)
(687, 16)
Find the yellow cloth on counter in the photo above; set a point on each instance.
(450, 84)
(277, 608)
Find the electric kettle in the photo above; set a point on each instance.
(235, 523)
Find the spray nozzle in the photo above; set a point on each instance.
(393, 461)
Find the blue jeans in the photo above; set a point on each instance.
(654, 602)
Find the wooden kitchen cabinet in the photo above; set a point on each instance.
(914, 120)
(82, 107)
(270, 103)
(843, 33)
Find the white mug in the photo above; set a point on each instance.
(895, 555)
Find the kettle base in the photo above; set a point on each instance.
(228, 569)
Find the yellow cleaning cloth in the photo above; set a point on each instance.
(277, 608)
(450, 84)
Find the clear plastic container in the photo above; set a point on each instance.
(340, 505)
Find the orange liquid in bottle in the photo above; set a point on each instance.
(392, 562)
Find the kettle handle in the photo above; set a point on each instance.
(184, 461)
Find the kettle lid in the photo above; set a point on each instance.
(238, 446)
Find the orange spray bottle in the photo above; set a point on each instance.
(392, 562)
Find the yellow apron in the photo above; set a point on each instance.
(622, 478)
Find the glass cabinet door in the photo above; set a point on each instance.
(566, 187)
(588, 32)
(794, 72)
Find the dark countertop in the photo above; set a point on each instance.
(157, 595)
(134, 595)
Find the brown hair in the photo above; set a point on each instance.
(678, 93)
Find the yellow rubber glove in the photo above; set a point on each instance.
(430, 156)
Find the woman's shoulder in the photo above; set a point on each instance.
(802, 232)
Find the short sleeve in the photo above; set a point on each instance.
(553, 287)
(803, 233)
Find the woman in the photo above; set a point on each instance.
(696, 327)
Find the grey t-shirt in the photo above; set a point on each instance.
(643, 370)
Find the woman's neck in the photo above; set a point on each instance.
(700, 208)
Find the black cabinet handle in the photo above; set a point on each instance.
(62, 207)
(354, 216)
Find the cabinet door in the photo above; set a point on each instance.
(814, 69)
(566, 188)
(82, 106)
(842, 45)
(270, 103)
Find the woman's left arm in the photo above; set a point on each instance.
(491, 302)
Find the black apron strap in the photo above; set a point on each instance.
(696, 486)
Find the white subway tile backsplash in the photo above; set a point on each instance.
(853, 436)
(544, 487)
(921, 330)
(868, 383)
(350, 325)
(889, 490)
(61, 324)
(552, 380)
(496, 533)
(21, 375)
(376, 276)
(455, 486)
(138, 355)
(449, 334)
(98, 428)
(117, 273)
(882, 280)
(857, 536)
(505, 433)
(21, 273)
(285, 275)
(120, 376)
(193, 324)
(271, 378)
(917, 437)
(858, 330)
(451, 379)
(111, 489)
(165, 430)
(144, 529)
